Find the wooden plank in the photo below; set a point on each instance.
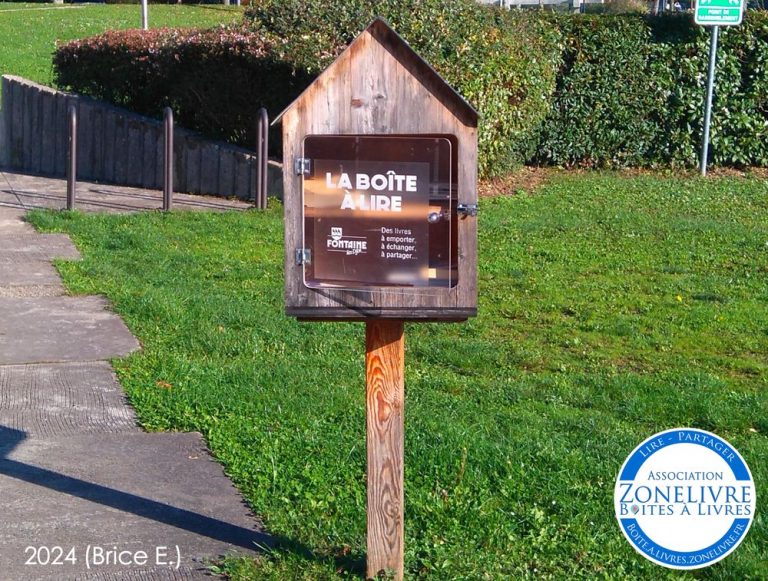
(34, 147)
(209, 168)
(384, 406)
(242, 177)
(97, 163)
(109, 126)
(121, 149)
(15, 124)
(158, 136)
(61, 134)
(84, 140)
(293, 133)
(226, 179)
(179, 162)
(135, 152)
(27, 121)
(150, 160)
(48, 158)
(253, 176)
(275, 179)
(419, 314)
(192, 163)
(467, 227)
(4, 119)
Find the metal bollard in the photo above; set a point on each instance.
(72, 158)
(262, 156)
(168, 159)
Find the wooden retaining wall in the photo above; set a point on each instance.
(116, 146)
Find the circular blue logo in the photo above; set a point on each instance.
(685, 498)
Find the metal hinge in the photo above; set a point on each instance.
(302, 166)
(467, 210)
(303, 256)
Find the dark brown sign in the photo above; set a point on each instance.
(378, 212)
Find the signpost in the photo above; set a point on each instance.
(380, 176)
(714, 13)
(719, 12)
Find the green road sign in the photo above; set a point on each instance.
(719, 12)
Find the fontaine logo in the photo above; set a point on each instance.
(685, 498)
(349, 245)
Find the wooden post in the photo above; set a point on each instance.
(385, 399)
(72, 158)
(381, 109)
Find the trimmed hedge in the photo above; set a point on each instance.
(631, 93)
(504, 64)
(590, 90)
(215, 80)
(609, 104)
(739, 134)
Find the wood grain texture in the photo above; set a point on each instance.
(371, 90)
(34, 155)
(120, 148)
(60, 134)
(114, 145)
(28, 100)
(385, 400)
(98, 137)
(135, 153)
(5, 122)
(193, 164)
(15, 125)
(150, 160)
(421, 315)
(48, 161)
(209, 168)
(85, 135)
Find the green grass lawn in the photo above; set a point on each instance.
(29, 31)
(611, 308)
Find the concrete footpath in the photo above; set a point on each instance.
(18, 190)
(84, 492)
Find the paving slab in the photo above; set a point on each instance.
(102, 497)
(64, 399)
(182, 574)
(80, 483)
(12, 221)
(56, 329)
(42, 290)
(29, 279)
(20, 248)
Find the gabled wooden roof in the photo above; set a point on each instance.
(412, 62)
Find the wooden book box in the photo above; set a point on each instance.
(380, 177)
